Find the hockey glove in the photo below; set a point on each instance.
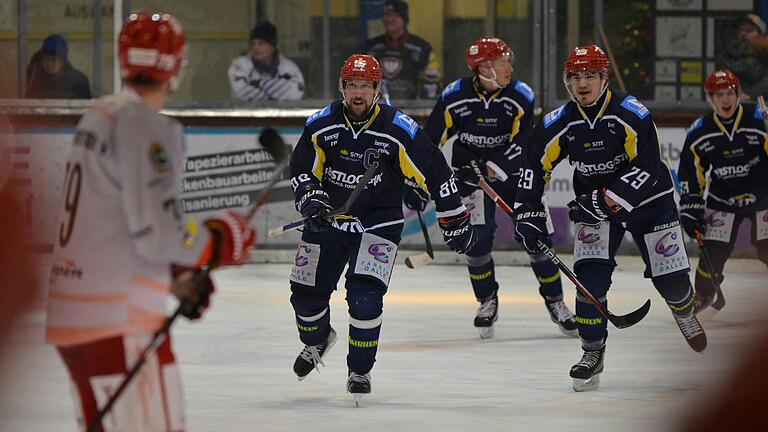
(315, 208)
(692, 214)
(530, 225)
(415, 197)
(466, 173)
(193, 288)
(458, 234)
(232, 239)
(590, 209)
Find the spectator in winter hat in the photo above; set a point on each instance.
(50, 75)
(409, 65)
(264, 73)
(747, 57)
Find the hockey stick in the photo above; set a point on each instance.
(704, 255)
(273, 144)
(423, 258)
(620, 321)
(336, 212)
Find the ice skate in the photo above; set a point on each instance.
(692, 331)
(563, 317)
(487, 314)
(586, 373)
(312, 356)
(358, 385)
(702, 306)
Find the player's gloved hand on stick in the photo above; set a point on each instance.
(415, 197)
(315, 207)
(458, 233)
(692, 214)
(232, 239)
(467, 174)
(193, 288)
(590, 209)
(530, 225)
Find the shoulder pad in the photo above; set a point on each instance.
(695, 125)
(524, 90)
(452, 88)
(325, 112)
(630, 103)
(408, 124)
(758, 114)
(553, 115)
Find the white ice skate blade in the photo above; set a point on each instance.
(707, 314)
(581, 385)
(357, 398)
(486, 332)
(572, 333)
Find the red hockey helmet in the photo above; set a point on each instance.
(722, 80)
(586, 59)
(361, 67)
(484, 50)
(151, 48)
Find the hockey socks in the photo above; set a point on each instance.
(482, 276)
(363, 344)
(678, 293)
(592, 324)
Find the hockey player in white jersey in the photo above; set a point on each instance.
(119, 234)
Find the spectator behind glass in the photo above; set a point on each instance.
(265, 74)
(410, 66)
(747, 57)
(50, 75)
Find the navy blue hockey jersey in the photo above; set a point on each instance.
(618, 150)
(330, 154)
(734, 156)
(490, 128)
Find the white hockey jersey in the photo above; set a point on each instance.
(119, 226)
(286, 82)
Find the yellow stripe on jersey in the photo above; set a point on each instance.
(516, 125)
(765, 144)
(409, 169)
(319, 163)
(700, 175)
(630, 143)
(448, 126)
(551, 153)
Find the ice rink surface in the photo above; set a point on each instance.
(433, 372)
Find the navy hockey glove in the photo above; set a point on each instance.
(415, 198)
(590, 209)
(530, 225)
(315, 208)
(458, 234)
(692, 214)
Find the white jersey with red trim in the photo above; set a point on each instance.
(119, 226)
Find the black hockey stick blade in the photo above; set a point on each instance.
(630, 319)
(367, 176)
(273, 144)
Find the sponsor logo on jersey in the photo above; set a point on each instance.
(191, 231)
(729, 153)
(65, 268)
(552, 116)
(525, 90)
(486, 121)
(753, 139)
(381, 144)
(696, 124)
(340, 178)
(716, 220)
(452, 88)
(634, 106)
(302, 256)
(406, 123)
(594, 146)
(667, 245)
(325, 112)
(380, 252)
(733, 171)
(765, 217)
(483, 141)
(608, 167)
(331, 137)
(391, 66)
(158, 158)
(585, 236)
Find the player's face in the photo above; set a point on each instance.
(502, 68)
(262, 51)
(359, 96)
(725, 102)
(586, 86)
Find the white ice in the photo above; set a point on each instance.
(433, 372)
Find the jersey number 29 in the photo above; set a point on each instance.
(635, 177)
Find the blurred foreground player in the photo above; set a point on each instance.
(621, 185)
(726, 154)
(119, 233)
(339, 143)
(492, 117)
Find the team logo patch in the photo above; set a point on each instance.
(552, 116)
(633, 105)
(380, 252)
(667, 245)
(587, 237)
(715, 220)
(391, 66)
(158, 158)
(407, 123)
(302, 256)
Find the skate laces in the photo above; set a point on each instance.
(590, 359)
(311, 354)
(488, 308)
(689, 326)
(560, 311)
(355, 377)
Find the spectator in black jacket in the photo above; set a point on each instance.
(50, 75)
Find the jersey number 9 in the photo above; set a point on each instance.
(72, 181)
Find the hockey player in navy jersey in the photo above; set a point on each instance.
(491, 115)
(727, 146)
(621, 185)
(338, 144)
